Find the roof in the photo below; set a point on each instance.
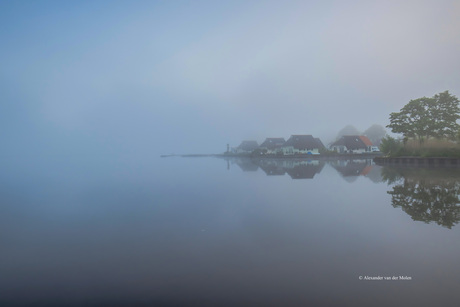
(365, 140)
(271, 143)
(246, 165)
(366, 170)
(319, 143)
(352, 168)
(302, 142)
(350, 141)
(305, 171)
(248, 145)
(272, 168)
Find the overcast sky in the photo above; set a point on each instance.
(153, 77)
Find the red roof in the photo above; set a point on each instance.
(365, 140)
(366, 170)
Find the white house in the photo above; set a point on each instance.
(356, 144)
(272, 145)
(301, 144)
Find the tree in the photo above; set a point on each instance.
(390, 146)
(375, 133)
(428, 200)
(444, 113)
(427, 117)
(413, 120)
(347, 130)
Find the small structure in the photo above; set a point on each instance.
(247, 147)
(356, 144)
(272, 145)
(301, 144)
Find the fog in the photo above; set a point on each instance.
(133, 80)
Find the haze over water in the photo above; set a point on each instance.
(211, 232)
(93, 92)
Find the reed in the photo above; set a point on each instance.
(430, 148)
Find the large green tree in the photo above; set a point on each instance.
(444, 113)
(428, 117)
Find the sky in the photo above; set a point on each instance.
(142, 78)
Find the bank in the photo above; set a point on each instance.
(418, 161)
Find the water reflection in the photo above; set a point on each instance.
(296, 169)
(350, 170)
(427, 195)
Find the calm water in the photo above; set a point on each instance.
(212, 232)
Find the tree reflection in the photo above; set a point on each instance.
(428, 195)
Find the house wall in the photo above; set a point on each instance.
(290, 150)
(272, 151)
(339, 149)
(343, 149)
(238, 150)
(313, 151)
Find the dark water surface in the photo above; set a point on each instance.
(212, 232)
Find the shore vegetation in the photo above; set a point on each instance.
(428, 127)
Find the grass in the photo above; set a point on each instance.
(430, 148)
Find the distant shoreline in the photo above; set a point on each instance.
(303, 156)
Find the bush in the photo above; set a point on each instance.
(391, 146)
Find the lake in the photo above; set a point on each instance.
(230, 232)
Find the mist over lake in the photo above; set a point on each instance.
(93, 93)
(226, 232)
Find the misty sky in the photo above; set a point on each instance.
(141, 78)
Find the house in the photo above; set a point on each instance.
(366, 142)
(272, 145)
(272, 167)
(305, 169)
(319, 143)
(352, 169)
(352, 144)
(301, 144)
(247, 147)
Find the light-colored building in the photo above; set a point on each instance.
(357, 144)
(301, 144)
(272, 145)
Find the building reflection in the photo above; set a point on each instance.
(304, 169)
(351, 169)
(427, 195)
(247, 165)
(296, 169)
(430, 195)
